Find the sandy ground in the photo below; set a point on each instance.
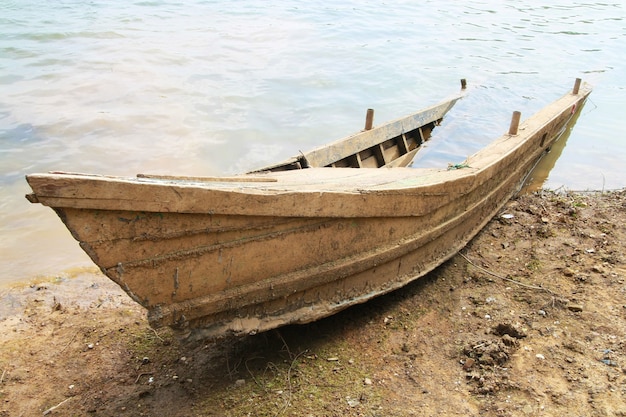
(529, 320)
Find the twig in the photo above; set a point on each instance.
(250, 372)
(289, 388)
(534, 287)
(69, 343)
(284, 343)
(51, 409)
(233, 371)
(157, 335)
(4, 371)
(142, 374)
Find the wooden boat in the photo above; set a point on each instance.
(300, 240)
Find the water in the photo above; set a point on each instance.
(215, 87)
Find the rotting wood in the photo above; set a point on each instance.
(222, 257)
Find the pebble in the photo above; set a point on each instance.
(352, 402)
(367, 381)
(508, 340)
(468, 364)
(598, 269)
(540, 356)
(577, 308)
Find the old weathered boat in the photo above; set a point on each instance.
(300, 240)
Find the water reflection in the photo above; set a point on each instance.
(538, 176)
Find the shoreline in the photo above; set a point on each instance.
(528, 319)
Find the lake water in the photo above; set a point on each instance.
(216, 87)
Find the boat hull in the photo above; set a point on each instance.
(218, 258)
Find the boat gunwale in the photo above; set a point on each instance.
(405, 184)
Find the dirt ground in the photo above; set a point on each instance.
(528, 320)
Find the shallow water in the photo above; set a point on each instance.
(211, 87)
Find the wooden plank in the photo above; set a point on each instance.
(422, 137)
(402, 144)
(357, 159)
(340, 149)
(379, 152)
(238, 178)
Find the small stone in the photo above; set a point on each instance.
(352, 402)
(367, 381)
(468, 364)
(508, 340)
(598, 269)
(240, 382)
(576, 308)
(540, 356)
(90, 346)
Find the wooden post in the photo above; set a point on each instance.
(576, 86)
(514, 123)
(369, 119)
(463, 83)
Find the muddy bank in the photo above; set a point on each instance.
(530, 319)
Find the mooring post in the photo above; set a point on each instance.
(576, 86)
(463, 83)
(369, 119)
(514, 123)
